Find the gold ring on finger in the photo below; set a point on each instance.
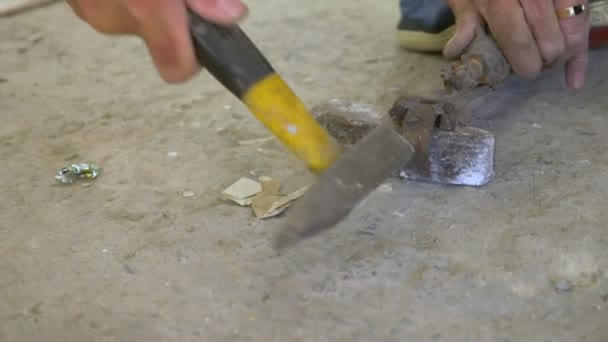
(571, 11)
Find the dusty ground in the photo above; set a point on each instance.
(130, 259)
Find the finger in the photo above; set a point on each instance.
(219, 11)
(163, 26)
(576, 34)
(576, 70)
(508, 25)
(540, 15)
(467, 20)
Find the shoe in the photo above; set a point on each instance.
(425, 27)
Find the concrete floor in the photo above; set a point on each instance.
(130, 259)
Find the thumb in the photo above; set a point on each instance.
(467, 20)
(219, 11)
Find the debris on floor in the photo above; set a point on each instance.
(255, 141)
(278, 204)
(263, 196)
(188, 194)
(74, 172)
(10, 7)
(242, 191)
(563, 285)
(386, 187)
(263, 201)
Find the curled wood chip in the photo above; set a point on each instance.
(264, 196)
(267, 205)
(262, 203)
(270, 185)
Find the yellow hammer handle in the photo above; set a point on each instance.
(229, 55)
(282, 112)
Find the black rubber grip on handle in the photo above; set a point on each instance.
(228, 54)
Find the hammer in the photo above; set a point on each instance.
(401, 141)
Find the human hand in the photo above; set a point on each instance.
(529, 33)
(162, 24)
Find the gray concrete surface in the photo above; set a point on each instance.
(130, 259)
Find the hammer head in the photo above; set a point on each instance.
(457, 154)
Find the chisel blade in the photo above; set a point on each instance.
(358, 172)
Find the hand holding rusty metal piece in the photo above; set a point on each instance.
(482, 63)
(531, 33)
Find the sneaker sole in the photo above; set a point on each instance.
(425, 42)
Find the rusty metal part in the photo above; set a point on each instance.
(417, 118)
(455, 153)
(482, 63)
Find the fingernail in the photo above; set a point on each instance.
(449, 47)
(450, 43)
(578, 81)
(233, 9)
